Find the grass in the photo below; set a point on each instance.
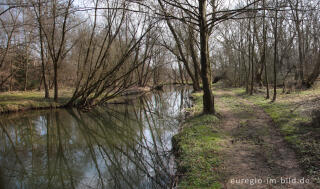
(200, 143)
(295, 126)
(240, 109)
(24, 100)
(198, 146)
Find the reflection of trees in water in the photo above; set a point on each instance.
(34, 154)
(116, 147)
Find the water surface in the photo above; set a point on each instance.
(119, 146)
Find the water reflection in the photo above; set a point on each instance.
(122, 146)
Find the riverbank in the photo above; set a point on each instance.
(17, 101)
(197, 147)
(253, 139)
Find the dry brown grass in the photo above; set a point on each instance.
(24, 100)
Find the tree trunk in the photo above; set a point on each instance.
(181, 73)
(252, 66)
(196, 84)
(11, 73)
(300, 38)
(208, 99)
(301, 53)
(275, 55)
(252, 52)
(46, 88)
(314, 75)
(55, 80)
(249, 56)
(26, 75)
(263, 61)
(40, 83)
(196, 77)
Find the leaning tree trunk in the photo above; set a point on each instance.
(208, 99)
(314, 75)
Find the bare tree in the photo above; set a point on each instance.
(183, 50)
(54, 36)
(9, 25)
(198, 15)
(109, 57)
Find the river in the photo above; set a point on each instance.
(117, 146)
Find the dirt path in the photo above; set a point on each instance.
(256, 156)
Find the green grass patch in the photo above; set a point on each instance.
(198, 147)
